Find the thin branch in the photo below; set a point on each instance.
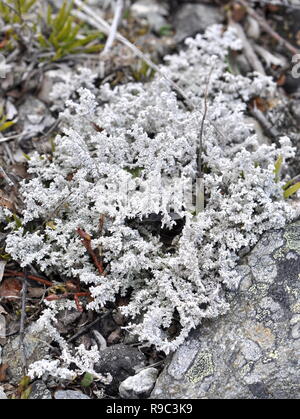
(5, 176)
(114, 27)
(200, 199)
(12, 137)
(199, 168)
(84, 329)
(22, 324)
(276, 3)
(248, 49)
(86, 241)
(32, 277)
(264, 24)
(267, 127)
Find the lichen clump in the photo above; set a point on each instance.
(118, 148)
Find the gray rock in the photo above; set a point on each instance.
(119, 361)
(70, 394)
(191, 19)
(36, 348)
(140, 385)
(34, 117)
(154, 11)
(2, 394)
(39, 391)
(253, 352)
(295, 107)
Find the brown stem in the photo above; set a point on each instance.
(86, 241)
(33, 277)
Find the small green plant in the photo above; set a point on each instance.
(166, 30)
(4, 123)
(13, 11)
(277, 168)
(291, 187)
(142, 72)
(58, 33)
(64, 36)
(87, 380)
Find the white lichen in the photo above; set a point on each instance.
(147, 136)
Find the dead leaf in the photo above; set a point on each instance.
(259, 103)
(273, 8)
(36, 292)
(19, 169)
(71, 286)
(3, 372)
(6, 203)
(115, 336)
(11, 288)
(281, 81)
(238, 12)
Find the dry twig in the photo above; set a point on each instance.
(32, 277)
(87, 244)
(264, 24)
(22, 324)
(200, 178)
(267, 127)
(114, 27)
(248, 49)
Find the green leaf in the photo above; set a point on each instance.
(18, 225)
(291, 190)
(94, 48)
(165, 30)
(43, 41)
(81, 42)
(6, 125)
(63, 34)
(27, 6)
(26, 393)
(60, 19)
(49, 15)
(26, 156)
(24, 383)
(277, 168)
(87, 380)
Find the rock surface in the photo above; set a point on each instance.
(39, 391)
(2, 394)
(191, 19)
(154, 11)
(253, 352)
(70, 394)
(36, 348)
(120, 361)
(140, 385)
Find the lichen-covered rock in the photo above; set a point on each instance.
(39, 391)
(36, 348)
(191, 19)
(140, 385)
(254, 350)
